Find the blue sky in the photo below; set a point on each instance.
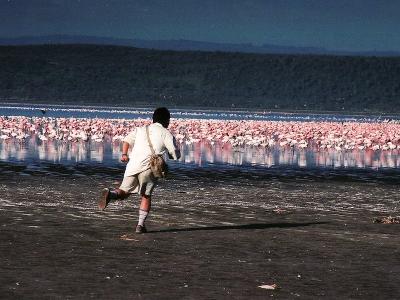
(332, 24)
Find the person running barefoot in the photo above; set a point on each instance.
(138, 176)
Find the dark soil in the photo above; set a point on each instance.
(207, 239)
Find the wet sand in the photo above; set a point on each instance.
(209, 237)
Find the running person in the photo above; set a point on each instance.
(138, 176)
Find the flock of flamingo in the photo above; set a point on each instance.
(346, 136)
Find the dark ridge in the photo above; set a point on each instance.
(185, 45)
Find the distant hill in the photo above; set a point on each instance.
(131, 76)
(184, 45)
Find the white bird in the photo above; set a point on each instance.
(42, 137)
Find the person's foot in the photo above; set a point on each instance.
(104, 198)
(140, 229)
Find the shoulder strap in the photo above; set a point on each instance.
(148, 138)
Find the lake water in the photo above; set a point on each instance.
(77, 111)
(37, 154)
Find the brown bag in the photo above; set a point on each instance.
(158, 165)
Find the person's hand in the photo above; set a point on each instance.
(124, 158)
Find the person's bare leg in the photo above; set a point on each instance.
(145, 206)
(145, 203)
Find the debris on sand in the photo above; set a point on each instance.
(128, 237)
(387, 220)
(280, 211)
(269, 287)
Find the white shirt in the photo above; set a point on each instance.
(139, 158)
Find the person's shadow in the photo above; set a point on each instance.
(244, 227)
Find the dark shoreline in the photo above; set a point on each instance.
(212, 171)
(208, 239)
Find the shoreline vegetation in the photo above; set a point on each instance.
(104, 75)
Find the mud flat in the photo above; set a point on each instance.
(210, 237)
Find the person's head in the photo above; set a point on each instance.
(161, 115)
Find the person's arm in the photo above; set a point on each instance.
(129, 141)
(172, 147)
(125, 149)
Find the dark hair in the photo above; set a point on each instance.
(161, 115)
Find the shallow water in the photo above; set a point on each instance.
(198, 155)
(37, 155)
